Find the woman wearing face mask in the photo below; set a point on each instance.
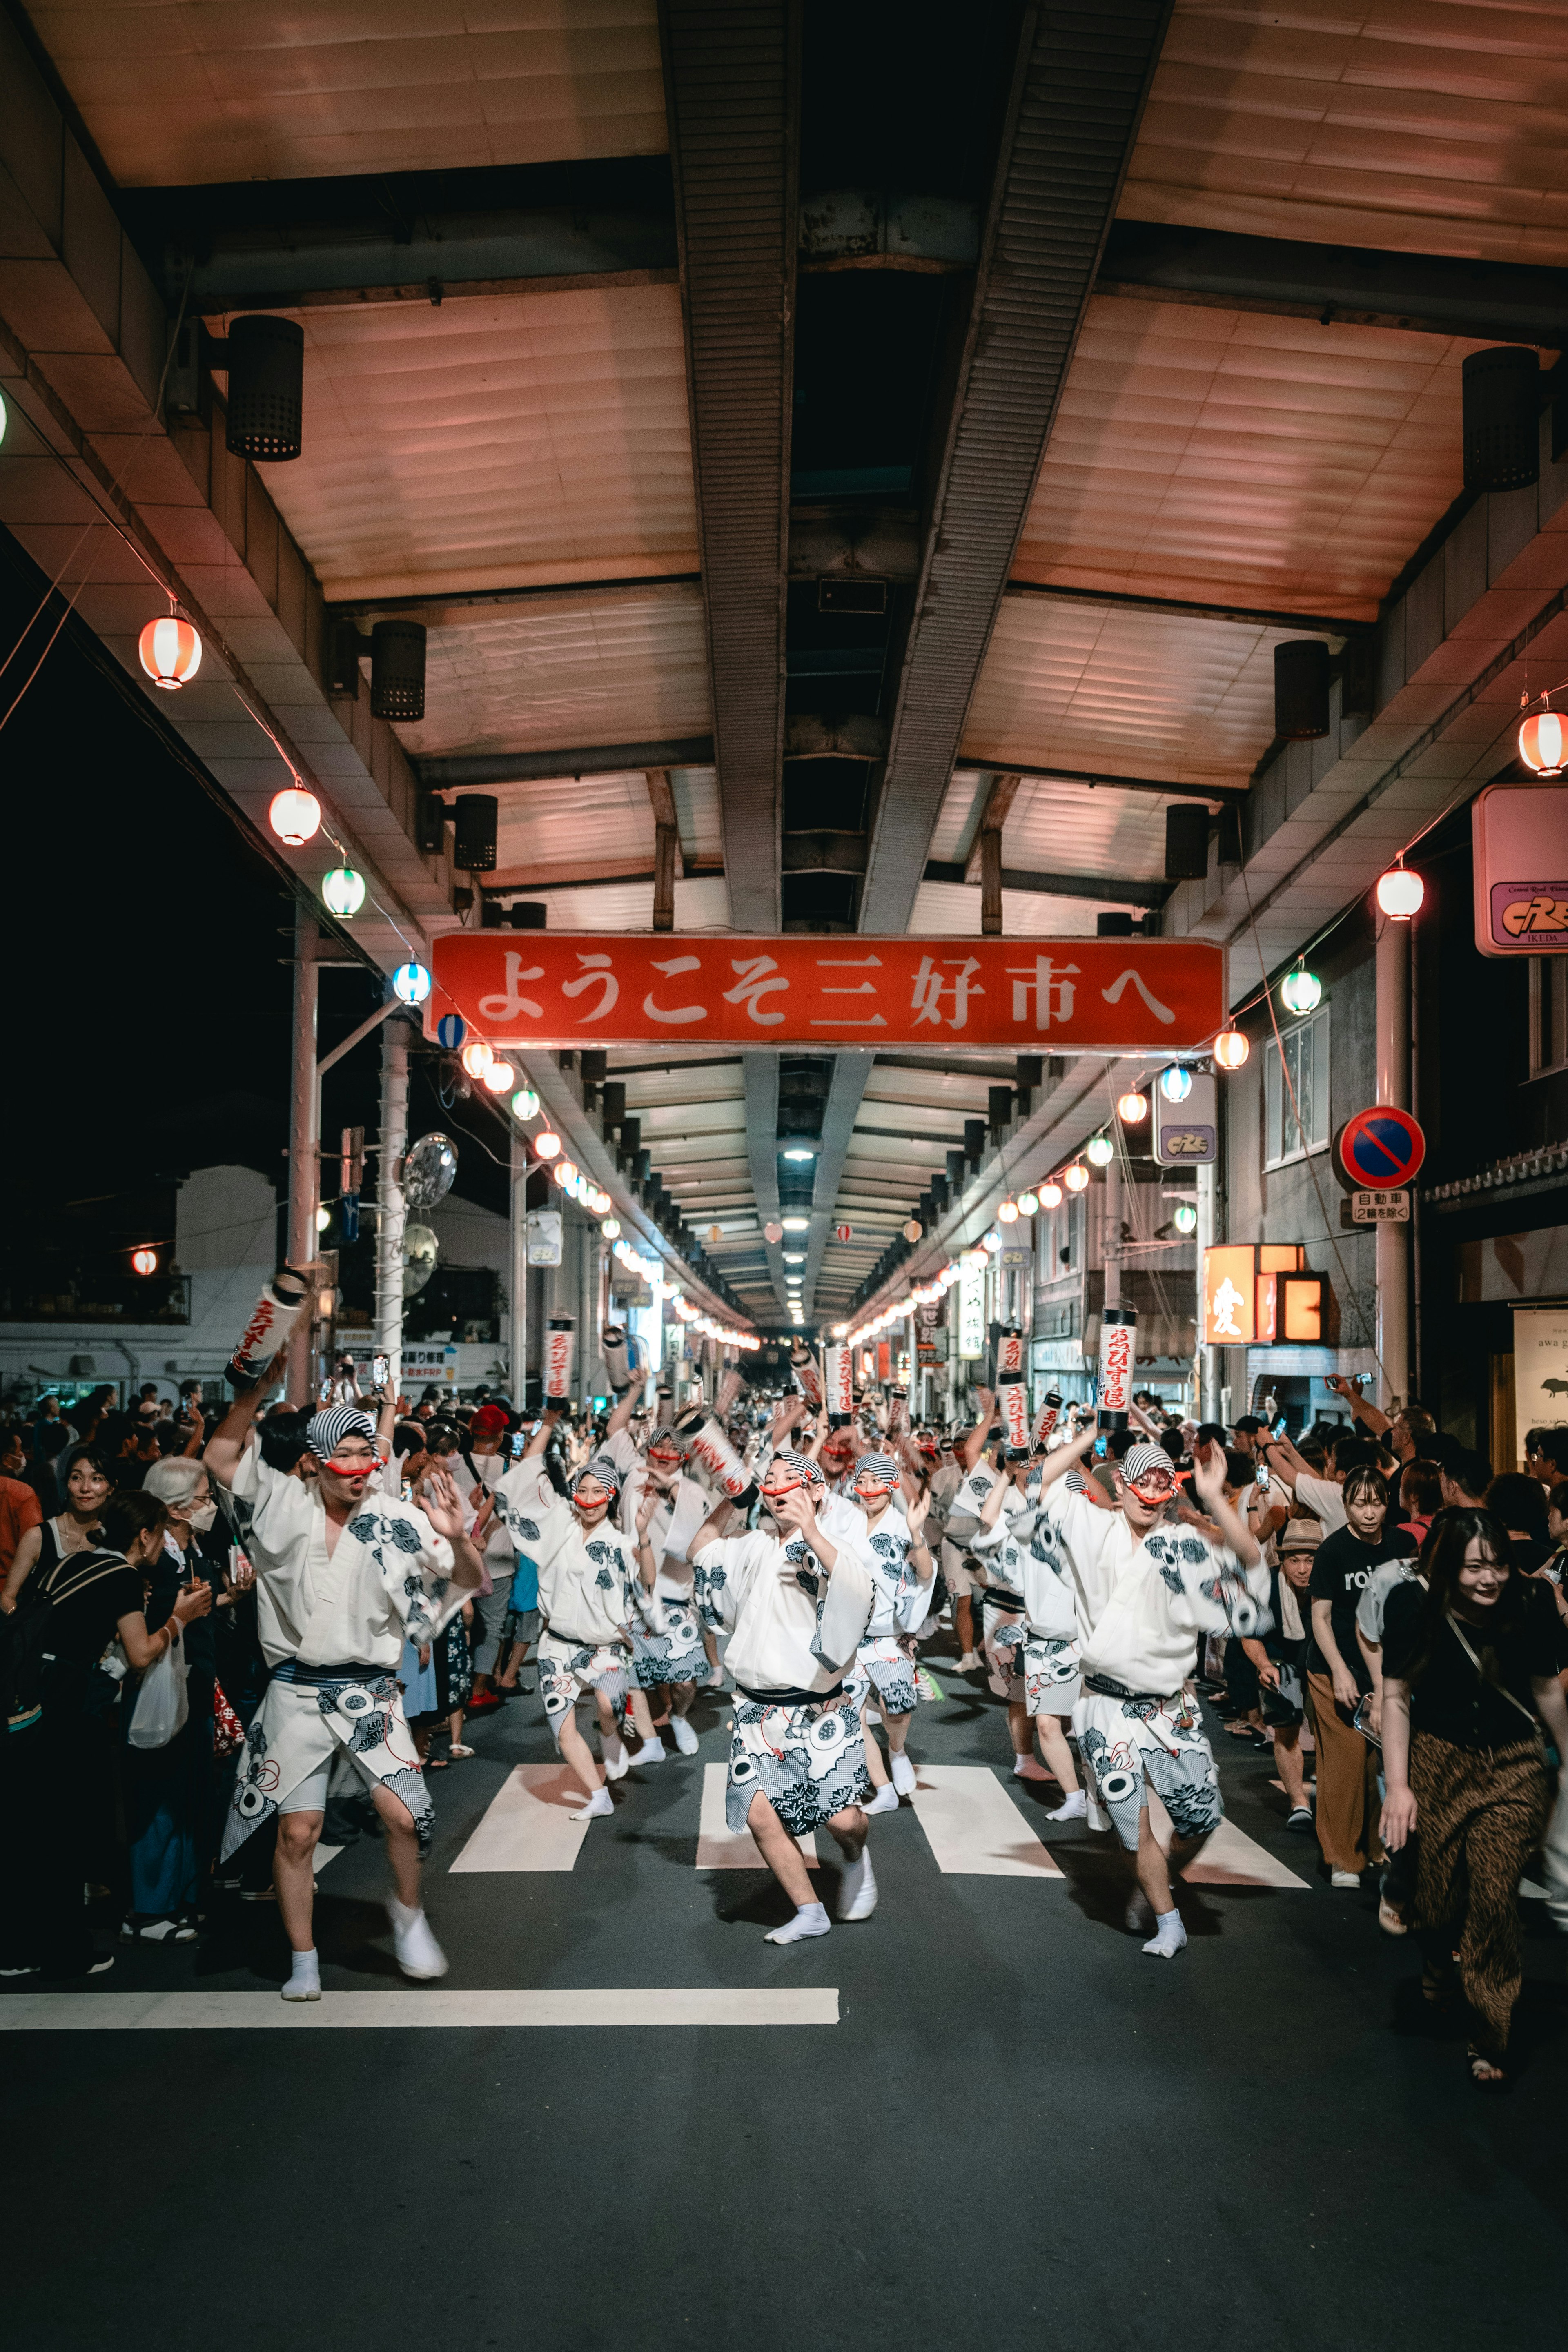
(88, 1483)
(1468, 1665)
(169, 1791)
(1339, 1678)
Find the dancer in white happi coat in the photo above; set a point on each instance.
(1052, 1672)
(1004, 1628)
(590, 1593)
(795, 1603)
(668, 1663)
(344, 1574)
(1146, 1590)
(903, 1576)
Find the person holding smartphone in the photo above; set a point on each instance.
(1338, 1677)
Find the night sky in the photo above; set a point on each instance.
(150, 1006)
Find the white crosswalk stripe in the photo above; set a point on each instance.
(527, 1824)
(973, 1828)
(653, 2005)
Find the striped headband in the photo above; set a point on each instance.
(879, 1469)
(602, 1468)
(799, 1465)
(325, 1431)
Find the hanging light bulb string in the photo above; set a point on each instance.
(99, 517)
(1331, 1236)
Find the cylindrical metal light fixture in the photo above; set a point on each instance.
(1502, 394)
(1301, 690)
(265, 362)
(477, 815)
(397, 672)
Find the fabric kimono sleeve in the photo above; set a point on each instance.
(1210, 1591)
(271, 1511)
(415, 1566)
(536, 1518)
(844, 1602)
(722, 1573)
(970, 1498)
(1082, 1533)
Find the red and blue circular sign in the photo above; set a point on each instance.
(1381, 1148)
(450, 1031)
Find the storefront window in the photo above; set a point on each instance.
(1296, 1092)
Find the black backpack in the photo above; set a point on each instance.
(26, 1649)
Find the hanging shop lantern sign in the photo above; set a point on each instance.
(1520, 836)
(1380, 1149)
(1187, 1126)
(1118, 1355)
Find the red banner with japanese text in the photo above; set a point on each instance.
(640, 988)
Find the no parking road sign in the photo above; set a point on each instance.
(1380, 1148)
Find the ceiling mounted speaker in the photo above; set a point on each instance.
(1301, 690)
(957, 1172)
(1501, 394)
(1111, 923)
(397, 672)
(527, 915)
(477, 814)
(1186, 842)
(265, 362)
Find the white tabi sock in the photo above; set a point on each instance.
(810, 1919)
(1169, 1936)
(597, 1805)
(304, 1978)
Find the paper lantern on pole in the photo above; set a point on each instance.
(171, 651)
(1543, 743)
(1400, 893)
(295, 816)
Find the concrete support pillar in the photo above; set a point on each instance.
(390, 1208)
(304, 1142)
(1393, 1241)
(517, 1280)
(1207, 1237)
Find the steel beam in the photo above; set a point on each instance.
(1106, 890)
(1428, 293)
(452, 773)
(1078, 89)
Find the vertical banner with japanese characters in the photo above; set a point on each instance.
(582, 988)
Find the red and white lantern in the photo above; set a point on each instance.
(706, 1442)
(838, 1363)
(1014, 1399)
(1010, 1356)
(171, 651)
(803, 1364)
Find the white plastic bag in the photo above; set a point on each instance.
(162, 1701)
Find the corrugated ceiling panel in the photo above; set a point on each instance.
(1069, 828)
(702, 906)
(1432, 126)
(589, 669)
(948, 910)
(582, 826)
(1145, 694)
(963, 1090)
(1220, 455)
(258, 90)
(503, 442)
(696, 794)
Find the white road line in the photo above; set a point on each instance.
(973, 1828)
(1229, 1859)
(160, 2012)
(718, 1846)
(527, 1824)
(325, 1853)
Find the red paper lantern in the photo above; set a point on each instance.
(171, 651)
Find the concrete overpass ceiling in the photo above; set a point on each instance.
(812, 444)
(177, 95)
(1424, 129)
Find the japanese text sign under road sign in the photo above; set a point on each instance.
(590, 988)
(1380, 1208)
(1381, 1148)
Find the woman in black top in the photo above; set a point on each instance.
(1337, 1676)
(1467, 1666)
(48, 1758)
